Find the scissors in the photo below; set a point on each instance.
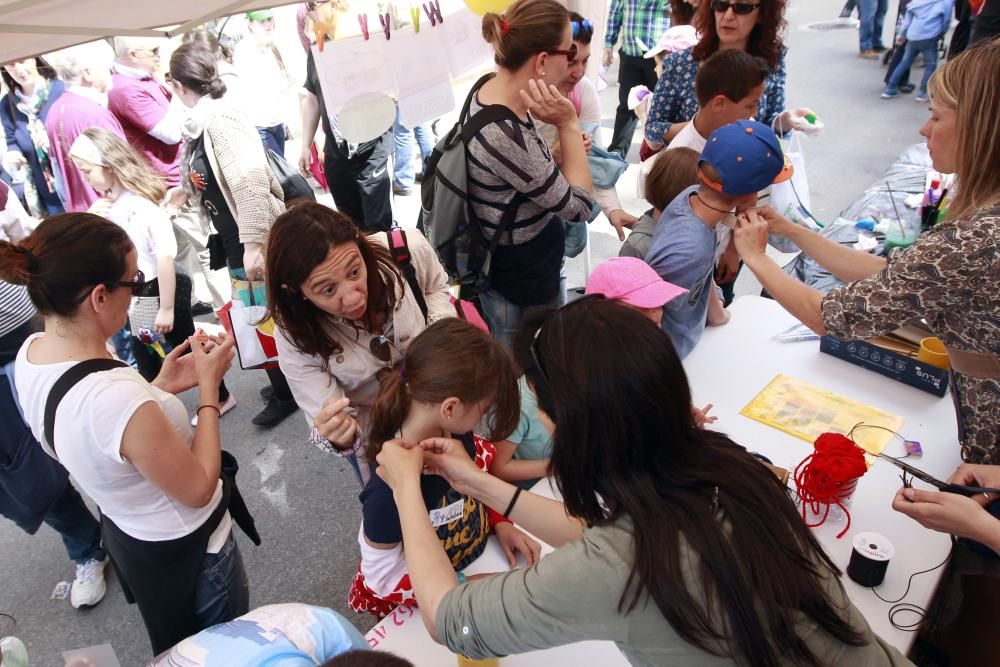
(947, 487)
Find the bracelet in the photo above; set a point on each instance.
(513, 500)
(461, 577)
(208, 405)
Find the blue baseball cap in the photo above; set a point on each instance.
(748, 157)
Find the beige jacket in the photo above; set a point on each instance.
(352, 372)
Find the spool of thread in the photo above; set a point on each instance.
(870, 559)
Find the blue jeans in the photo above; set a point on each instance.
(223, 589)
(80, 532)
(404, 174)
(926, 47)
(872, 17)
(505, 317)
(274, 138)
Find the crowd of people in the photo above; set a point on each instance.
(148, 187)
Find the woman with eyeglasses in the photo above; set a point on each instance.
(127, 442)
(345, 313)
(32, 88)
(514, 184)
(672, 541)
(754, 26)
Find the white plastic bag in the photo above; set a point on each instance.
(791, 198)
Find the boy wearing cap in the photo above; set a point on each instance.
(739, 160)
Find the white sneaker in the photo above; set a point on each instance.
(226, 407)
(88, 587)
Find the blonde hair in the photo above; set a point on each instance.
(131, 168)
(526, 28)
(969, 84)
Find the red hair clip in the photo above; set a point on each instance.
(504, 27)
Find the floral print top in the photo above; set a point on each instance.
(949, 278)
(674, 99)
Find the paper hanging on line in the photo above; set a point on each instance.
(462, 35)
(804, 411)
(353, 68)
(425, 91)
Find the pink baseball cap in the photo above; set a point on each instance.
(631, 280)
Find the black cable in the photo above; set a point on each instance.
(900, 607)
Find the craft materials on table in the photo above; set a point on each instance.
(805, 412)
(828, 477)
(870, 558)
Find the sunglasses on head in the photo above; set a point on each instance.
(135, 285)
(570, 53)
(577, 26)
(741, 8)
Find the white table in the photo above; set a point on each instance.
(728, 368)
(732, 363)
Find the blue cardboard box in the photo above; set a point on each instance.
(886, 362)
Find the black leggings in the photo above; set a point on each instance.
(148, 361)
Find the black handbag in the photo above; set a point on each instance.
(293, 184)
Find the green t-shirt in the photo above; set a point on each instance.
(532, 440)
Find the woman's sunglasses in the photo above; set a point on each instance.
(570, 53)
(135, 285)
(741, 8)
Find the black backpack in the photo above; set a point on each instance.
(446, 215)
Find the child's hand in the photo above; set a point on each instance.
(701, 416)
(164, 321)
(513, 541)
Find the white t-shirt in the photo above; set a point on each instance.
(90, 422)
(149, 228)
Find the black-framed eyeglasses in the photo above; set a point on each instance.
(570, 53)
(135, 285)
(741, 8)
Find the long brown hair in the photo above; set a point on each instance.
(128, 165)
(765, 38)
(449, 358)
(300, 240)
(64, 259)
(969, 84)
(625, 447)
(532, 26)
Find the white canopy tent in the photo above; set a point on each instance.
(34, 27)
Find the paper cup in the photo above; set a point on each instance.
(932, 351)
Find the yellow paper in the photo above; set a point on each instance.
(805, 411)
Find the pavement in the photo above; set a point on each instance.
(305, 501)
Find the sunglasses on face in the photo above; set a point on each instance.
(570, 53)
(741, 8)
(135, 285)
(154, 51)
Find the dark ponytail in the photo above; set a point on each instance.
(64, 259)
(449, 358)
(194, 65)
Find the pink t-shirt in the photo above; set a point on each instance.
(139, 104)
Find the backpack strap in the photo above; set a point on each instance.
(67, 381)
(400, 251)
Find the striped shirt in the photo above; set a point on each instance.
(643, 21)
(15, 307)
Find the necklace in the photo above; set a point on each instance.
(707, 205)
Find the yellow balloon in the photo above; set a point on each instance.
(480, 7)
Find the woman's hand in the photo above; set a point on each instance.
(164, 320)
(177, 373)
(795, 119)
(970, 474)
(701, 416)
(213, 355)
(949, 513)
(253, 260)
(750, 235)
(513, 541)
(448, 458)
(620, 219)
(335, 423)
(545, 103)
(777, 224)
(399, 464)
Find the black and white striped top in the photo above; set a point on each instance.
(15, 307)
(508, 157)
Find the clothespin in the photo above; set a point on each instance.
(386, 24)
(415, 15)
(433, 9)
(363, 22)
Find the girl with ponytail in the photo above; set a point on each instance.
(453, 375)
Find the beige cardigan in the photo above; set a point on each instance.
(352, 372)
